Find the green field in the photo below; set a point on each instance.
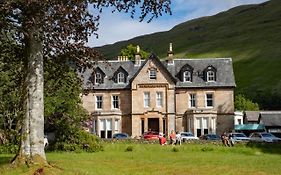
(250, 35)
(192, 158)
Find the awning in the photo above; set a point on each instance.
(249, 127)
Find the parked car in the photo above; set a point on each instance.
(239, 137)
(151, 135)
(264, 137)
(188, 136)
(120, 136)
(210, 137)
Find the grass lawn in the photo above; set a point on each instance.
(155, 159)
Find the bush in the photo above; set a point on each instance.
(175, 149)
(205, 149)
(129, 149)
(79, 141)
(9, 149)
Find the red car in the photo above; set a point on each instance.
(151, 135)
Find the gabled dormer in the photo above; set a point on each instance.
(120, 76)
(210, 74)
(186, 73)
(98, 76)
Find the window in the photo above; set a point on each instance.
(98, 78)
(152, 74)
(115, 102)
(202, 126)
(159, 99)
(209, 100)
(192, 100)
(116, 125)
(120, 78)
(99, 102)
(210, 76)
(187, 76)
(146, 99)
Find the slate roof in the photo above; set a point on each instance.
(270, 118)
(252, 116)
(223, 66)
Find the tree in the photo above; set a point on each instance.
(242, 103)
(130, 52)
(49, 29)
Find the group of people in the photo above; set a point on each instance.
(227, 139)
(175, 138)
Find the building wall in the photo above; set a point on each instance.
(141, 84)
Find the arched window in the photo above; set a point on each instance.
(120, 78)
(98, 78)
(211, 76)
(186, 76)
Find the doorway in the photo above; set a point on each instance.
(153, 124)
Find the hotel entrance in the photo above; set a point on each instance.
(153, 124)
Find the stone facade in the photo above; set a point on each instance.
(153, 95)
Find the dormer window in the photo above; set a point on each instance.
(98, 78)
(211, 76)
(152, 74)
(120, 78)
(186, 76)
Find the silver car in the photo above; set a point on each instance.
(264, 137)
(239, 137)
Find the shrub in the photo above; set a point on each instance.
(9, 149)
(175, 149)
(78, 141)
(205, 149)
(129, 149)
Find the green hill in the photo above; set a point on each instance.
(250, 34)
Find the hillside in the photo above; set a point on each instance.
(250, 34)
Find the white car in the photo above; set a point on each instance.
(264, 137)
(188, 136)
(239, 137)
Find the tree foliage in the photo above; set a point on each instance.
(57, 29)
(242, 103)
(131, 50)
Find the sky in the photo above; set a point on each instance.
(116, 27)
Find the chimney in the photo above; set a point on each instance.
(170, 54)
(137, 56)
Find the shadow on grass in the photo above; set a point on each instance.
(5, 159)
(271, 148)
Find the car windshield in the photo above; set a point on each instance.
(239, 135)
(267, 135)
(186, 134)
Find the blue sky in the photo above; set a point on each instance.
(119, 26)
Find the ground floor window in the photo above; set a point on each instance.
(204, 125)
(106, 129)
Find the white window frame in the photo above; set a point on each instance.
(146, 99)
(152, 74)
(115, 103)
(98, 78)
(206, 99)
(211, 76)
(186, 76)
(120, 77)
(159, 99)
(99, 106)
(192, 100)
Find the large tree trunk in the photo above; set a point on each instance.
(32, 143)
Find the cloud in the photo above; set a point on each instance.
(119, 26)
